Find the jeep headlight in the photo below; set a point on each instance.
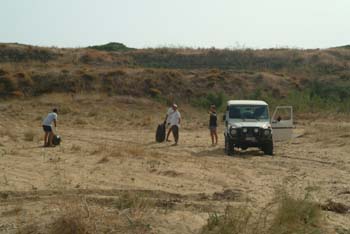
(244, 130)
(233, 131)
(256, 130)
(267, 132)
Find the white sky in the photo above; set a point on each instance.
(194, 23)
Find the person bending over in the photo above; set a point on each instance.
(47, 126)
(167, 119)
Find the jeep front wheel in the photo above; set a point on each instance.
(268, 148)
(229, 147)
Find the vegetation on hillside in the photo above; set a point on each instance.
(112, 46)
(345, 47)
(310, 80)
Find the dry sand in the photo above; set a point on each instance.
(108, 153)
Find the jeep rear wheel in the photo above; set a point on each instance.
(268, 148)
(229, 147)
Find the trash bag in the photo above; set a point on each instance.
(56, 140)
(160, 133)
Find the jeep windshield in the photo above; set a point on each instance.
(249, 112)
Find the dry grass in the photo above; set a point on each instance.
(29, 135)
(109, 152)
(12, 212)
(68, 225)
(76, 148)
(104, 159)
(296, 216)
(80, 121)
(8, 133)
(235, 220)
(119, 151)
(76, 215)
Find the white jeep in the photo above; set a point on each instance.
(248, 124)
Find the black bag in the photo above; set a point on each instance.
(160, 134)
(56, 140)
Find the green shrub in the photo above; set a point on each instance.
(218, 99)
(317, 97)
(330, 91)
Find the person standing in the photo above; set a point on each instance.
(47, 126)
(213, 124)
(167, 120)
(174, 120)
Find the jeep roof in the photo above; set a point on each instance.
(246, 102)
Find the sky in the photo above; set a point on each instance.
(188, 23)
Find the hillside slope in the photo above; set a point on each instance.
(184, 74)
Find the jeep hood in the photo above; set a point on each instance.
(255, 124)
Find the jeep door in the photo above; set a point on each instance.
(282, 123)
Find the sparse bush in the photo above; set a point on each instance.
(68, 224)
(235, 220)
(297, 216)
(131, 200)
(293, 216)
(73, 217)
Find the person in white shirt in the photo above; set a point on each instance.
(168, 114)
(47, 126)
(167, 120)
(174, 120)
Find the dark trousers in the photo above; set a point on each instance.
(175, 131)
